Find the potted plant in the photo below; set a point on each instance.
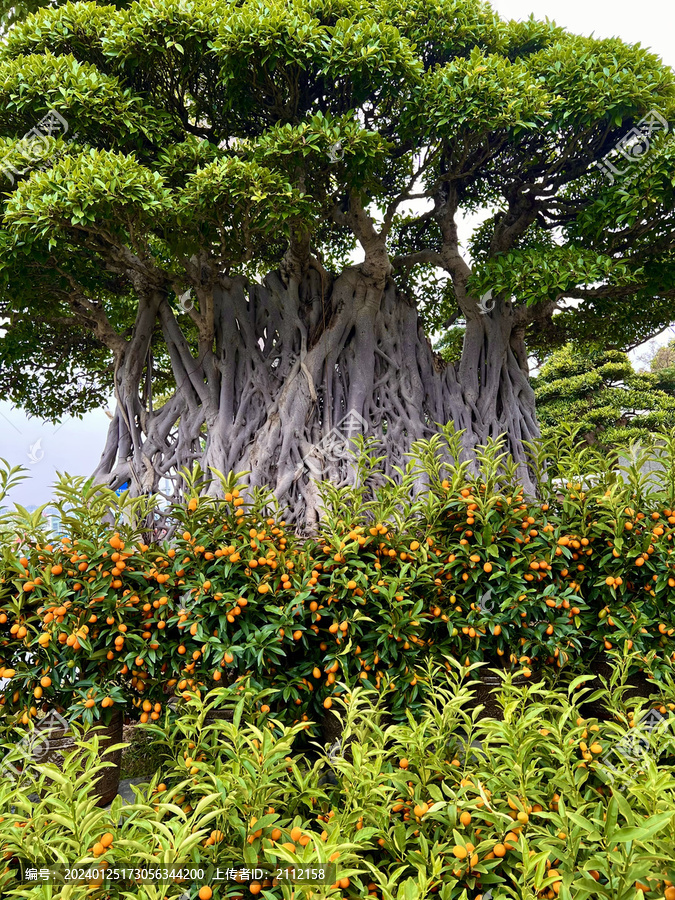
(498, 554)
(66, 630)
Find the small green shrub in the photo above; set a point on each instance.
(441, 805)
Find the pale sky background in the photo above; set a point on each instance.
(76, 445)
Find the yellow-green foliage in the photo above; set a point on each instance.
(409, 813)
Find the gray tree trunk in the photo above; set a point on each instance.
(287, 369)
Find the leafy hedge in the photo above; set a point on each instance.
(410, 813)
(469, 569)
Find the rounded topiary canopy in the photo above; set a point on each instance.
(242, 217)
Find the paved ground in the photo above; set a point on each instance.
(125, 791)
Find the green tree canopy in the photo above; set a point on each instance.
(662, 365)
(601, 392)
(13, 11)
(295, 173)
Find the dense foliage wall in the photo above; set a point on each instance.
(474, 570)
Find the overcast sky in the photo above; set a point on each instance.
(75, 446)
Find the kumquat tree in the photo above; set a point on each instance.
(351, 607)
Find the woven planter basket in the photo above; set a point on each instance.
(219, 715)
(638, 683)
(61, 742)
(487, 692)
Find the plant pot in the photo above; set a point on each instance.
(60, 742)
(219, 715)
(331, 728)
(638, 686)
(487, 692)
(214, 715)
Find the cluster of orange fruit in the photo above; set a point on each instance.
(181, 616)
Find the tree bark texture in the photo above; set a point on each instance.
(286, 370)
